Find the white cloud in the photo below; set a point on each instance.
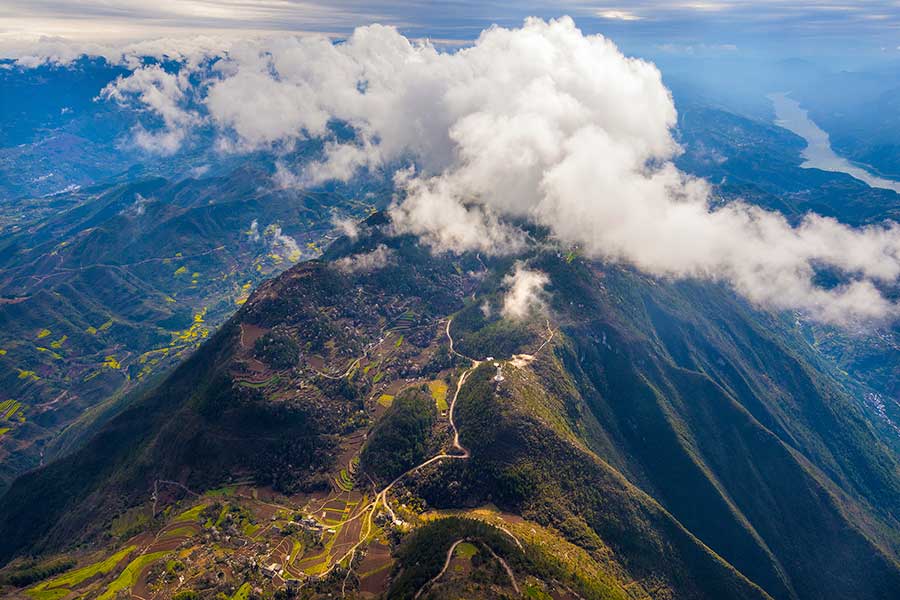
(253, 232)
(347, 226)
(281, 244)
(367, 262)
(433, 210)
(525, 293)
(540, 123)
(30, 51)
(162, 93)
(285, 178)
(276, 242)
(618, 15)
(199, 171)
(138, 207)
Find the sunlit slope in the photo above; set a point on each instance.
(682, 439)
(724, 416)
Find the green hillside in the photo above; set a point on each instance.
(674, 441)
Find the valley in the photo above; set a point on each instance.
(818, 153)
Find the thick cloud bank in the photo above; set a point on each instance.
(540, 123)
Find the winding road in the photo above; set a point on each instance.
(444, 570)
(368, 511)
(449, 558)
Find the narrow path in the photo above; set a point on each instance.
(352, 366)
(510, 534)
(444, 570)
(447, 561)
(509, 571)
(550, 333)
(355, 363)
(155, 495)
(459, 384)
(347, 576)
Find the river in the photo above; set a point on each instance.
(818, 153)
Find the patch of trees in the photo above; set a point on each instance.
(440, 360)
(402, 438)
(421, 555)
(277, 351)
(500, 339)
(479, 336)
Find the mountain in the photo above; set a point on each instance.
(107, 287)
(370, 423)
(856, 105)
(757, 162)
(116, 262)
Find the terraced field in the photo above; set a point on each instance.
(438, 390)
(60, 587)
(374, 569)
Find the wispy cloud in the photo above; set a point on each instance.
(697, 49)
(618, 15)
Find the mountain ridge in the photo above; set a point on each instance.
(620, 434)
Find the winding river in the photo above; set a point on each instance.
(818, 153)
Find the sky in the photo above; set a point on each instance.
(706, 26)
